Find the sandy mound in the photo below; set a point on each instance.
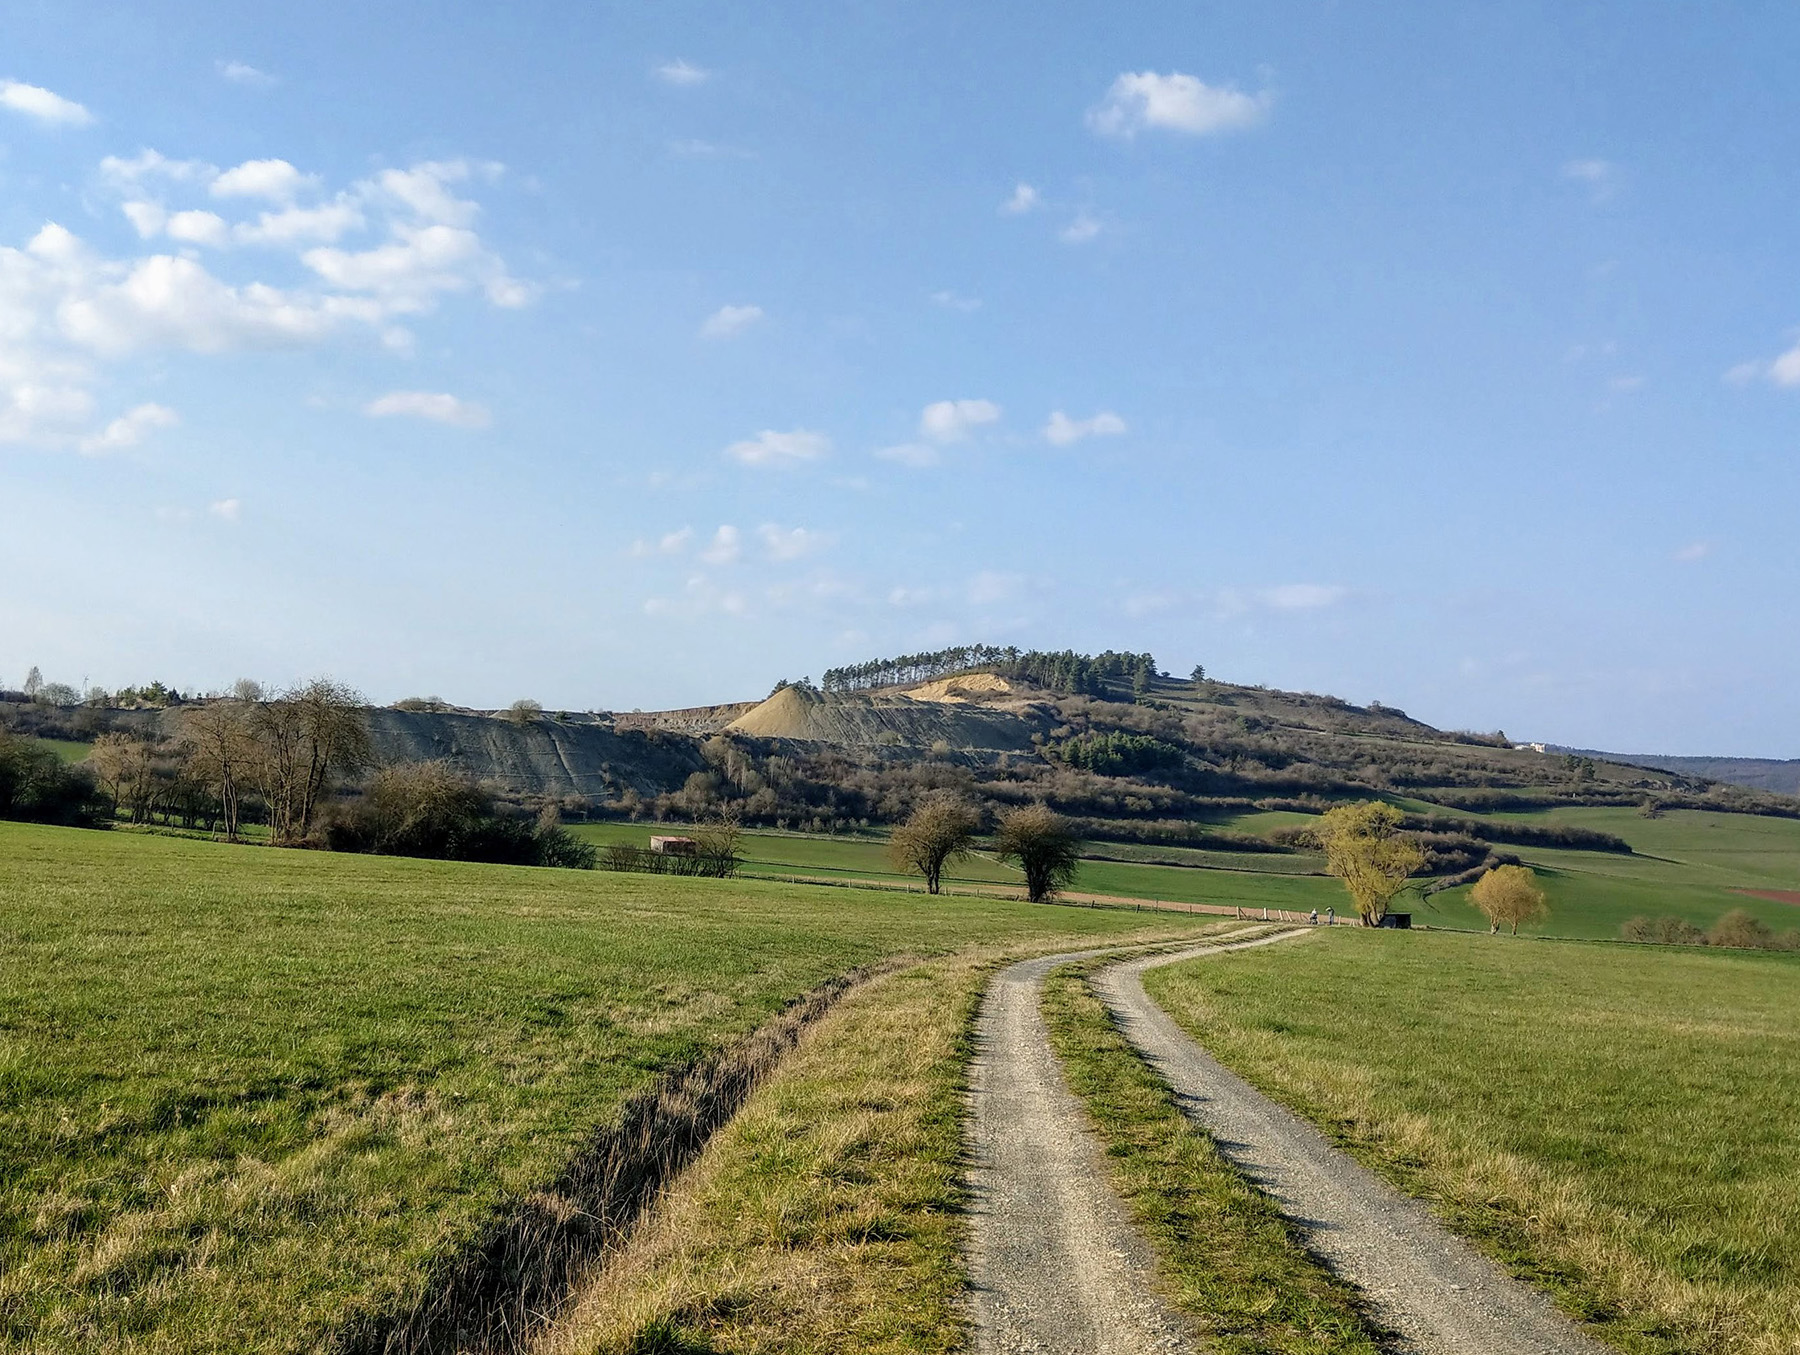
(968, 687)
(886, 720)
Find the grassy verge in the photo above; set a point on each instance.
(827, 1216)
(1232, 1263)
(251, 1097)
(1615, 1123)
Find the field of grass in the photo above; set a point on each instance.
(68, 750)
(247, 1095)
(1615, 1122)
(1229, 1260)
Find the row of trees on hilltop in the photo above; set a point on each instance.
(1059, 670)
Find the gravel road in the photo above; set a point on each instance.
(1422, 1282)
(1057, 1267)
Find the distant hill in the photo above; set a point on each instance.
(1759, 773)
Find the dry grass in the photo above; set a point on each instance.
(1615, 1124)
(827, 1216)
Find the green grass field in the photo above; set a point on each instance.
(1616, 1122)
(68, 750)
(246, 1094)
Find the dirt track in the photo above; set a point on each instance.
(1057, 1266)
(1422, 1282)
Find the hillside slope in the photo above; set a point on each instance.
(1759, 773)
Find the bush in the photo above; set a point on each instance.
(432, 810)
(36, 787)
(1741, 930)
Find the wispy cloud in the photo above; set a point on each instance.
(243, 73)
(1142, 100)
(435, 406)
(130, 428)
(1600, 176)
(770, 448)
(1302, 597)
(791, 543)
(42, 105)
(226, 509)
(728, 321)
(1085, 227)
(918, 455)
(682, 74)
(1024, 199)
(1062, 431)
(1693, 551)
(953, 301)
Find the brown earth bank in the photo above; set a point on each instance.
(1774, 895)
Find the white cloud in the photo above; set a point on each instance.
(1180, 103)
(227, 509)
(682, 73)
(1024, 198)
(196, 228)
(673, 543)
(436, 406)
(1062, 430)
(276, 180)
(1782, 370)
(243, 73)
(952, 301)
(63, 304)
(129, 428)
(770, 448)
(696, 149)
(1600, 176)
(792, 542)
(727, 545)
(1693, 551)
(1296, 597)
(953, 420)
(42, 105)
(915, 454)
(1083, 228)
(730, 320)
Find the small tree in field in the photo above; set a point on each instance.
(1509, 894)
(1045, 847)
(524, 712)
(1365, 848)
(940, 830)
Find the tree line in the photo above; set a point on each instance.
(1060, 671)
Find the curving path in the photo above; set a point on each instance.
(1423, 1283)
(1057, 1267)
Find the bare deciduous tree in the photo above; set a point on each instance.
(304, 737)
(1045, 847)
(940, 830)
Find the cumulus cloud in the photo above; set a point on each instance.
(129, 429)
(436, 406)
(682, 73)
(64, 306)
(42, 106)
(1142, 100)
(1782, 370)
(955, 420)
(728, 321)
(227, 509)
(243, 73)
(276, 180)
(790, 543)
(770, 448)
(1062, 430)
(727, 544)
(1024, 199)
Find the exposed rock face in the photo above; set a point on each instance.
(546, 756)
(891, 720)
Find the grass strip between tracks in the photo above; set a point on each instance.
(1229, 1259)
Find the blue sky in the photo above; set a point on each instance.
(1446, 355)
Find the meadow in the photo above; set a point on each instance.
(250, 1096)
(1614, 1122)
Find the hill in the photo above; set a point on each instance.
(1779, 776)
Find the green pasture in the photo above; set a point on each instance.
(66, 750)
(246, 1094)
(1614, 1121)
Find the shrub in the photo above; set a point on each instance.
(432, 810)
(35, 786)
(1741, 930)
